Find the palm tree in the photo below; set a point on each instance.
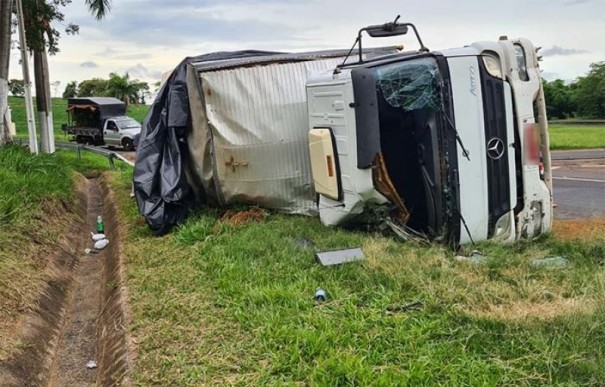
(120, 86)
(99, 8)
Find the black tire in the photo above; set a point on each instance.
(127, 144)
(80, 139)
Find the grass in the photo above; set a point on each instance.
(59, 106)
(36, 203)
(216, 304)
(576, 136)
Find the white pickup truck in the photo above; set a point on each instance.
(101, 121)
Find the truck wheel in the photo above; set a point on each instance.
(80, 139)
(127, 144)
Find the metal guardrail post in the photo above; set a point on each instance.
(111, 156)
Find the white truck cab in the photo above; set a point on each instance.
(454, 142)
(120, 131)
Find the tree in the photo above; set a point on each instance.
(120, 86)
(590, 92)
(6, 11)
(16, 87)
(142, 91)
(71, 90)
(95, 87)
(560, 102)
(39, 17)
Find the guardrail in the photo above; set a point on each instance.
(111, 155)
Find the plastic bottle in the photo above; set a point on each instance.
(100, 226)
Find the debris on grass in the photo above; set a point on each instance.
(100, 245)
(320, 295)
(550, 262)
(337, 257)
(91, 365)
(476, 258)
(97, 237)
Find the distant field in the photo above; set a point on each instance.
(576, 136)
(59, 105)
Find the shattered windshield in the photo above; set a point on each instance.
(410, 85)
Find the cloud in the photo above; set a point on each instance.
(143, 73)
(577, 2)
(159, 24)
(89, 65)
(137, 56)
(556, 50)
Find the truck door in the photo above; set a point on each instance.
(111, 133)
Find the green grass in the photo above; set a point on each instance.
(37, 198)
(217, 304)
(576, 136)
(59, 105)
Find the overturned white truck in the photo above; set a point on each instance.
(454, 142)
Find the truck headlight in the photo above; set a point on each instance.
(521, 62)
(492, 64)
(502, 229)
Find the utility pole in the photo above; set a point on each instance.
(29, 105)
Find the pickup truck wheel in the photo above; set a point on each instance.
(127, 144)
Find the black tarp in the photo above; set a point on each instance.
(161, 189)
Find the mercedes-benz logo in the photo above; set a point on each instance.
(495, 148)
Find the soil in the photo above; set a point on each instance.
(77, 344)
(78, 315)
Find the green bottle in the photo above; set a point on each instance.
(100, 227)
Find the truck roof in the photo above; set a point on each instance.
(106, 106)
(228, 60)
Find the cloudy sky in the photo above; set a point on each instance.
(148, 37)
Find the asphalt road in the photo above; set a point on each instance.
(578, 154)
(579, 184)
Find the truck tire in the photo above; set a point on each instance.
(127, 144)
(80, 139)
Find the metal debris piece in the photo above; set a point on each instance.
(91, 365)
(406, 233)
(329, 258)
(557, 261)
(475, 258)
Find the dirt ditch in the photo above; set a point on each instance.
(81, 315)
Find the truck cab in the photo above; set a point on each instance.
(453, 142)
(120, 131)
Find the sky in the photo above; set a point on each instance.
(148, 37)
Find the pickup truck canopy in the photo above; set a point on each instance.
(106, 106)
